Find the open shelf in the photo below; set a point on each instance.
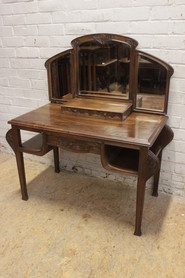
(106, 63)
(36, 145)
(120, 159)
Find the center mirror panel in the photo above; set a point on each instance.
(104, 69)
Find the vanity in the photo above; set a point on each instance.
(108, 98)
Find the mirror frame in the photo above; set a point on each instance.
(48, 65)
(103, 38)
(169, 73)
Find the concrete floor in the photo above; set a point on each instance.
(78, 226)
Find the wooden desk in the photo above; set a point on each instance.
(95, 108)
(133, 146)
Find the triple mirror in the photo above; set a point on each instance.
(108, 66)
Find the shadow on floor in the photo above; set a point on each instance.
(97, 197)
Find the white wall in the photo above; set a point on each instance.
(31, 31)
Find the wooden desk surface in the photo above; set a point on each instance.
(139, 129)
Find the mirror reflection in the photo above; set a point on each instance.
(60, 76)
(104, 69)
(151, 87)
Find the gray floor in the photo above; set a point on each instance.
(79, 226)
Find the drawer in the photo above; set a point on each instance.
(74, 145)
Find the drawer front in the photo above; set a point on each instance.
(74, 145)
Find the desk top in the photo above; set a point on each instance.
(139, 129)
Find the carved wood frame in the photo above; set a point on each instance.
(103, 38)
(169, 73)
(48, 64)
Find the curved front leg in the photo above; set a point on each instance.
(164, 138)
(9, 139)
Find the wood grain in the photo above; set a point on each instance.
(138, 129)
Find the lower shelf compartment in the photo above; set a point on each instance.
(34, 144)
(37, 145)
(120, 159)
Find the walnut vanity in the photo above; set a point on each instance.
(106, 98)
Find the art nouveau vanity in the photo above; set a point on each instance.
(106, 98)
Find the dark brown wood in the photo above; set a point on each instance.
(60, 129)
(158, 63)
(106, 121)
(138, 129)
(36, 145)
(73, 144)
(56, 159)
(59, 72)
(140, 190)
(101, 40)
(164, 138)
(156, 177)
(20, 162)
(119, 159)
(98, 108)
(10, 140)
